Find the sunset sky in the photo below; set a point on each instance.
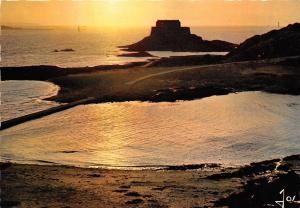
(136, 13)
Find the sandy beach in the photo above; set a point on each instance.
(256, 185)
(164, 83)
(207, 185)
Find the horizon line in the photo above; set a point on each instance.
(133, 26)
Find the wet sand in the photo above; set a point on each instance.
(254, 185)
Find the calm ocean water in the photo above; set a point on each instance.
(94, 47)
(232, 129)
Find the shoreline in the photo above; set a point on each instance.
(165, 80)
(243, 186)
(182, 167)
(208, 164)
(258, 183)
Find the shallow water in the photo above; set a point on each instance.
(232, 129)
(19, 98)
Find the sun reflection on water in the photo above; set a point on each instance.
(231, 129)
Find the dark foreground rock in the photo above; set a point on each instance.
(168, 35)
(276, 43)
(264, 182)
(248, 170)
(261, 192)
(177, 186)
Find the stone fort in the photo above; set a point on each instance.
(169, 28)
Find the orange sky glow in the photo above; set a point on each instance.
(143, 13)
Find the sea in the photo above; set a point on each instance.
(92, 47)
(232, 129)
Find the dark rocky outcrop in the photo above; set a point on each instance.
(263, 183)
(276, 43)
(193, 167)
(46, 72)
(168, 35)
(262, 192)
(248, 170)
(186, 60)
(136, 54)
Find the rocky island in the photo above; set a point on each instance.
(168, 35)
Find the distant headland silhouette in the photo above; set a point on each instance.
(168, 35)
